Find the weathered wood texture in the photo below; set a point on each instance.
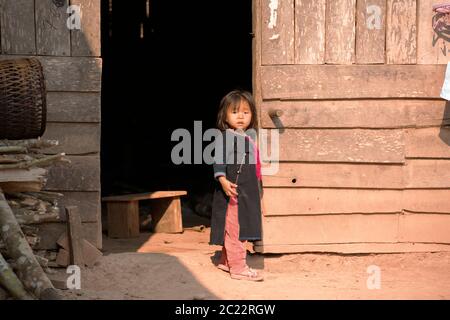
(75, 236)
(310, 31)
(88, 203)
(356, 228)
(330, 229)
(299, 201)
(349, 248)
(340, 32)
(373, 113)
(431, 228)
(22, 175)
(73, 82)
(166, 215)
(428, 143)
(414, 174)
(364, 149)
(52, 34)
(433, 47)
(123, 219)
(338, 145)
(357, 81)
(277, 32)
(145, 196)
(82, 174)
(73, 107)
(401, 33)
(17, 27)
(86, 41)
(49, 233)
(370, 31)
(74, 138)
(69, 73)
(314, 201)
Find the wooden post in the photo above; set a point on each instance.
(123, 219)
(75, 236)
(166, 215)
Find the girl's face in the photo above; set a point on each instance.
(239, 117)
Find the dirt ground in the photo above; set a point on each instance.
(178, 266)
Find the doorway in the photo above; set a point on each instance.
(166, 64)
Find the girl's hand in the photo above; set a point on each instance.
(228, 187)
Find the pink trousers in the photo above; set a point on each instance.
(234, 252)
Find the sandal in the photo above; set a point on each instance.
(223, 267)
(248, 274)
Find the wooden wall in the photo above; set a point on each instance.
(364, 151)
(72, 68)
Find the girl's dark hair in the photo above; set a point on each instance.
(233, 99)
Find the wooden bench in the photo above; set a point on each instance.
(123, 213)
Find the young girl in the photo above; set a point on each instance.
(236, 211)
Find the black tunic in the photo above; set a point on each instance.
(249, 205)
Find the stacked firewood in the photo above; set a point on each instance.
(23, 206)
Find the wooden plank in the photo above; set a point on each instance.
(145, 196)
(74, 138)
(75, 236)
(283, 201)
(426, 201)
(52, 34)
(340, 32)
(373, 113)
(431, 228)
(299, 201)
(427, 143)
(166, 215)
(17, 27)
(330, 229)
(86, 42)
(341, 145)
(310, 31)
(63, 258)
(370, 31)
(88, 204)
(65, 107)
(82, 174)
(350, 248)
(436, 113)
(425, 174)
(49, 233)
(415, 174)
(123, 219)
(90, 253)
(401, 32)
(69, 73)
(22, 175)
(21, 186)
(277, 32)
(358, 81)
(433, 47)
(336, 175)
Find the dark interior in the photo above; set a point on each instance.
(166, 64)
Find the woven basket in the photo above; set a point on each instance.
(23, 107)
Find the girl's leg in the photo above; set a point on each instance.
(235, 249)
(222, 262)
